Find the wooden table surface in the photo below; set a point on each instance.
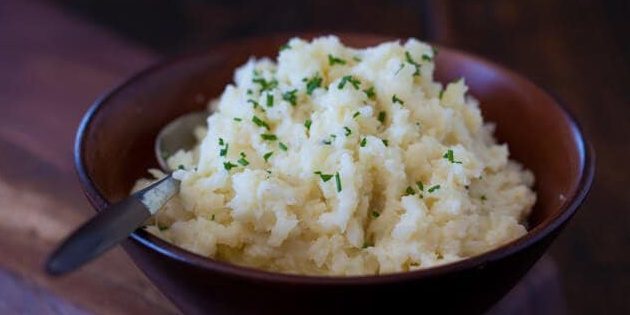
(53, 64)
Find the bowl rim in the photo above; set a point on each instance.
(171, 251)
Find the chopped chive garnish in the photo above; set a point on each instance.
(291, 97)
(267, 156)
(338, 182)
(243, 160)
(483, 198)
(434, 188)
(307, 124)
(409, 191)
(395, 100)
(348, 78)
(441, 93)
(381, 117)
(268, 136)
(363, 142)
(229, 165)
(269, 100)
(357, 59)
(313, 83)
(385, 142)
(375, 214)
(402, 65)
(283, 146)
(238, 119)
(259, 122)
(221, 142)
(250, 92)
(224, 150)
(411, 61)
(332, 60)
(426, 57)
(420, 186)
(348, 131)
(324, 177)
(449, 156)
(285, 47)
(180, 167)
(266, 85)
(253, 103)
(370, 93)
(356, 114)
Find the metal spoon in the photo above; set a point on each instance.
(116, 222)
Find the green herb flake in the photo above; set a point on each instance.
(267, 156)
(229, 165)
(307, 124)
(259, 122)
(366, 245)
(381, 117)
(269, 100)
(291, 97)
(357, 59)
(269, 137)
(420, 185)
(433, 188)
(395, 100)
(355, 115)
(332, 60)
(483, 198)
(348, 131)
(221, 142)
(283, 146)
(348, 78)
(363, 142)
(370, 93)
(285, 47)
(181, 167)
(238, 119)
(409, 191)
(212, 218)
(426, 58)
(243, 160)
(338, 182)
(266, 85)
(441, 94)
(375, 214)
(412, 62)
(313, 83)
(449, 156)
(402, 65)
(385, 142)
(254, 103)
(324, 177)
(249, 92)
(224, 150)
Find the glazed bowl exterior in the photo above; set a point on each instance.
(114, 148)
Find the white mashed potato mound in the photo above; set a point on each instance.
(341, 161)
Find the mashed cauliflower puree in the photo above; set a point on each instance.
(341, 161)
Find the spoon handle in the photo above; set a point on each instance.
(110, 226)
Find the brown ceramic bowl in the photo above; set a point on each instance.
(114, 148)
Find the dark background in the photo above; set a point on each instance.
(579, 49)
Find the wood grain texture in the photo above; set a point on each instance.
(50, 74)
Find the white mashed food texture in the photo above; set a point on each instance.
(341, 161)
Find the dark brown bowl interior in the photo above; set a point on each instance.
(114, 148)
